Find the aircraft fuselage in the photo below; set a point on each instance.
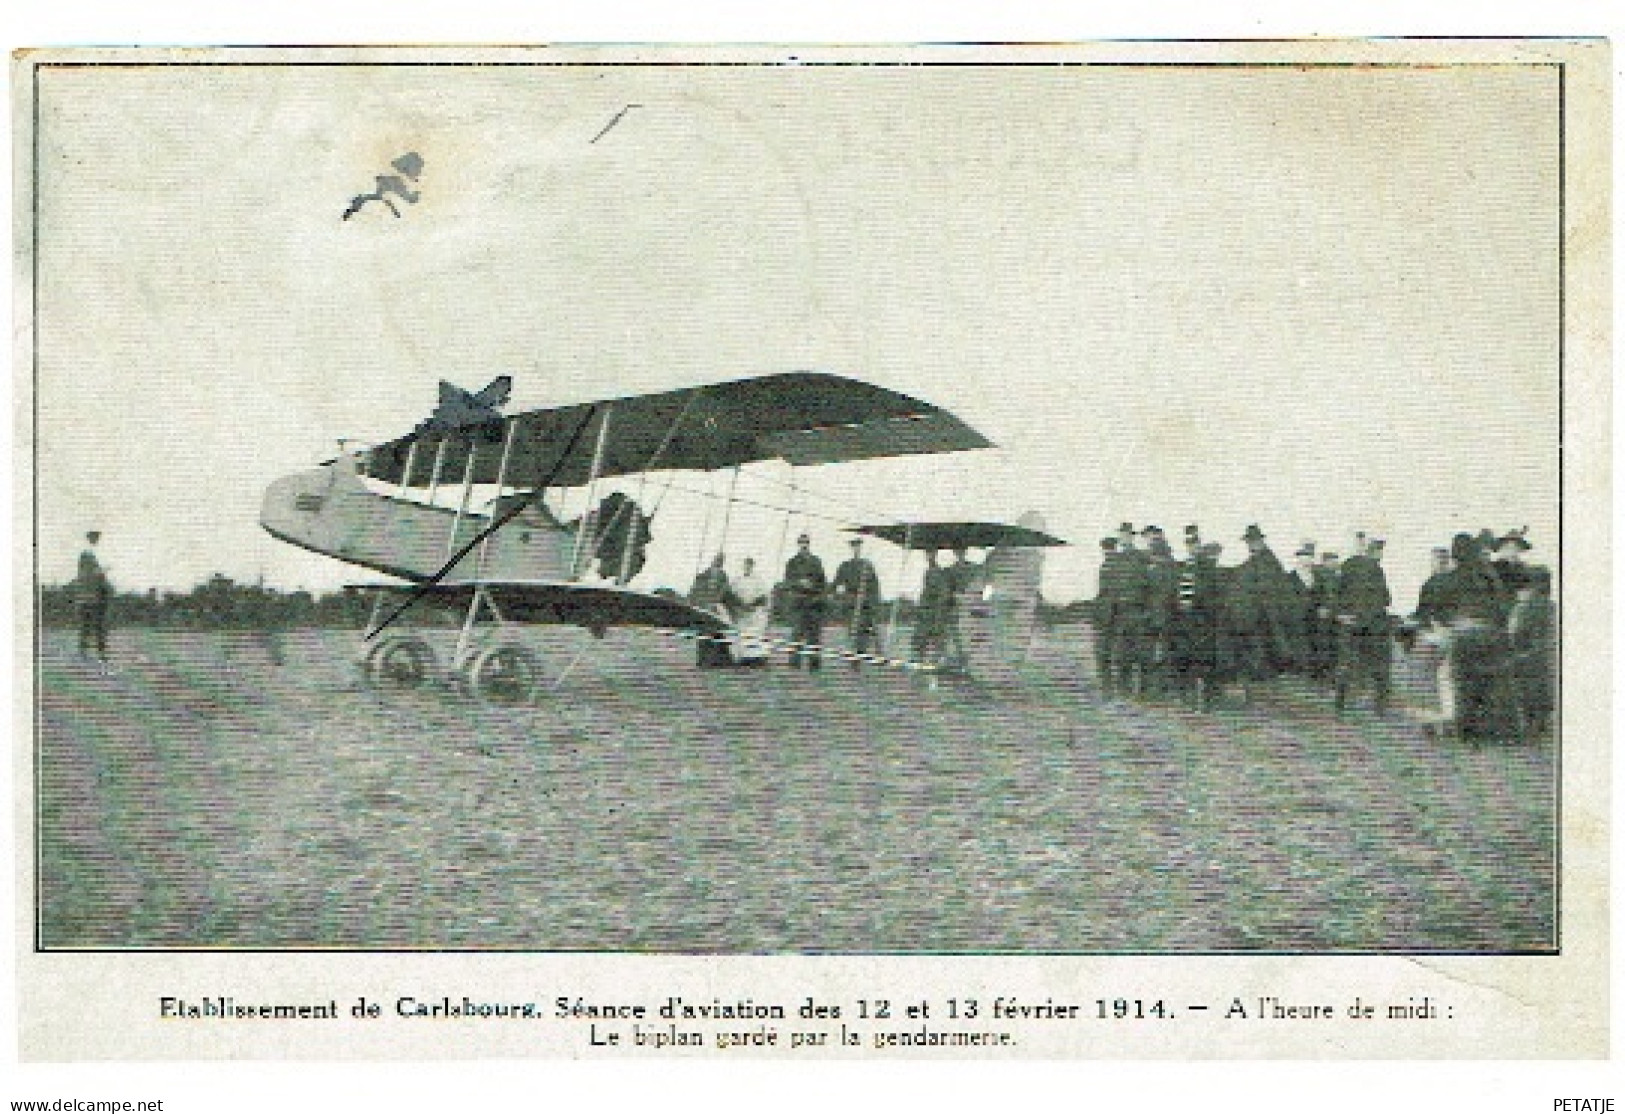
(329, 510)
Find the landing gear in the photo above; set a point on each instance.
(504, 674)
(400, 663)
(487, 663)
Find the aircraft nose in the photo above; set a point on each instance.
(293, 504)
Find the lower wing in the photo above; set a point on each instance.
(568, 603)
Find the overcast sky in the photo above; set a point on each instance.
(1320, 300)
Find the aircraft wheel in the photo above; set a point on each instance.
(399, 664)
(504, 674)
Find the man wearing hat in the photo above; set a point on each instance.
(1363, 652)
(92, 596)
(804, 589)
(1262, 612)
(857, 600)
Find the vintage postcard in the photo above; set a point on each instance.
(1050, 551)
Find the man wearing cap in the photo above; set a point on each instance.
(1193, 627)
(1433, 603)
(1430, 629)
(1114, 609)
(804, 589)
(1509, 562)
(1306, 583)
(1162, 601)
(750, 609)
(1363, 653)
(92, 595)
(857, 600)
(1122, 598)
(1532, 631)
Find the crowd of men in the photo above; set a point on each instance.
(810, 597)
(1188, 627)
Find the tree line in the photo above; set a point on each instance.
(221, 603)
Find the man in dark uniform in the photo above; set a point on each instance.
(804, 590)
(931, 617)
(1193, 626)
(965, 577)
(1532, 631)
(1363, 653)
(1162, 600)
(1433, 603)
(1261, 608)
(1129, 601)
(857, 600)
(1479, 651)
(1301, 582)
(712, 593)
(1509, 564)
(1105, 614)
(93, 594)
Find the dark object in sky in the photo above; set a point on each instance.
(802, 417)
(410, 166)
(958, 535)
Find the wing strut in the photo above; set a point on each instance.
(462, 506)
(897, 595)
(592, 493)
(439, 463)
(502, 478)
(406, 473)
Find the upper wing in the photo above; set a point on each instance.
(566, 603)
(955, 535)
(801, 417)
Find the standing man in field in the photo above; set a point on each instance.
(1193, 628)
(1362, 617)
(1262, 607)
(1108, 615)
(931, 617)
(805, 586)
(964, 578)
(1162, 601)
(92, 595)
(1129, 589)
(752, 604)
(711, 592)
(857, 600)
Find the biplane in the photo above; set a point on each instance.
(513, 562)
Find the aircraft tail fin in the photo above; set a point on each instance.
(1002, 619)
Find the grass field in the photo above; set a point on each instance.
(197, 795)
